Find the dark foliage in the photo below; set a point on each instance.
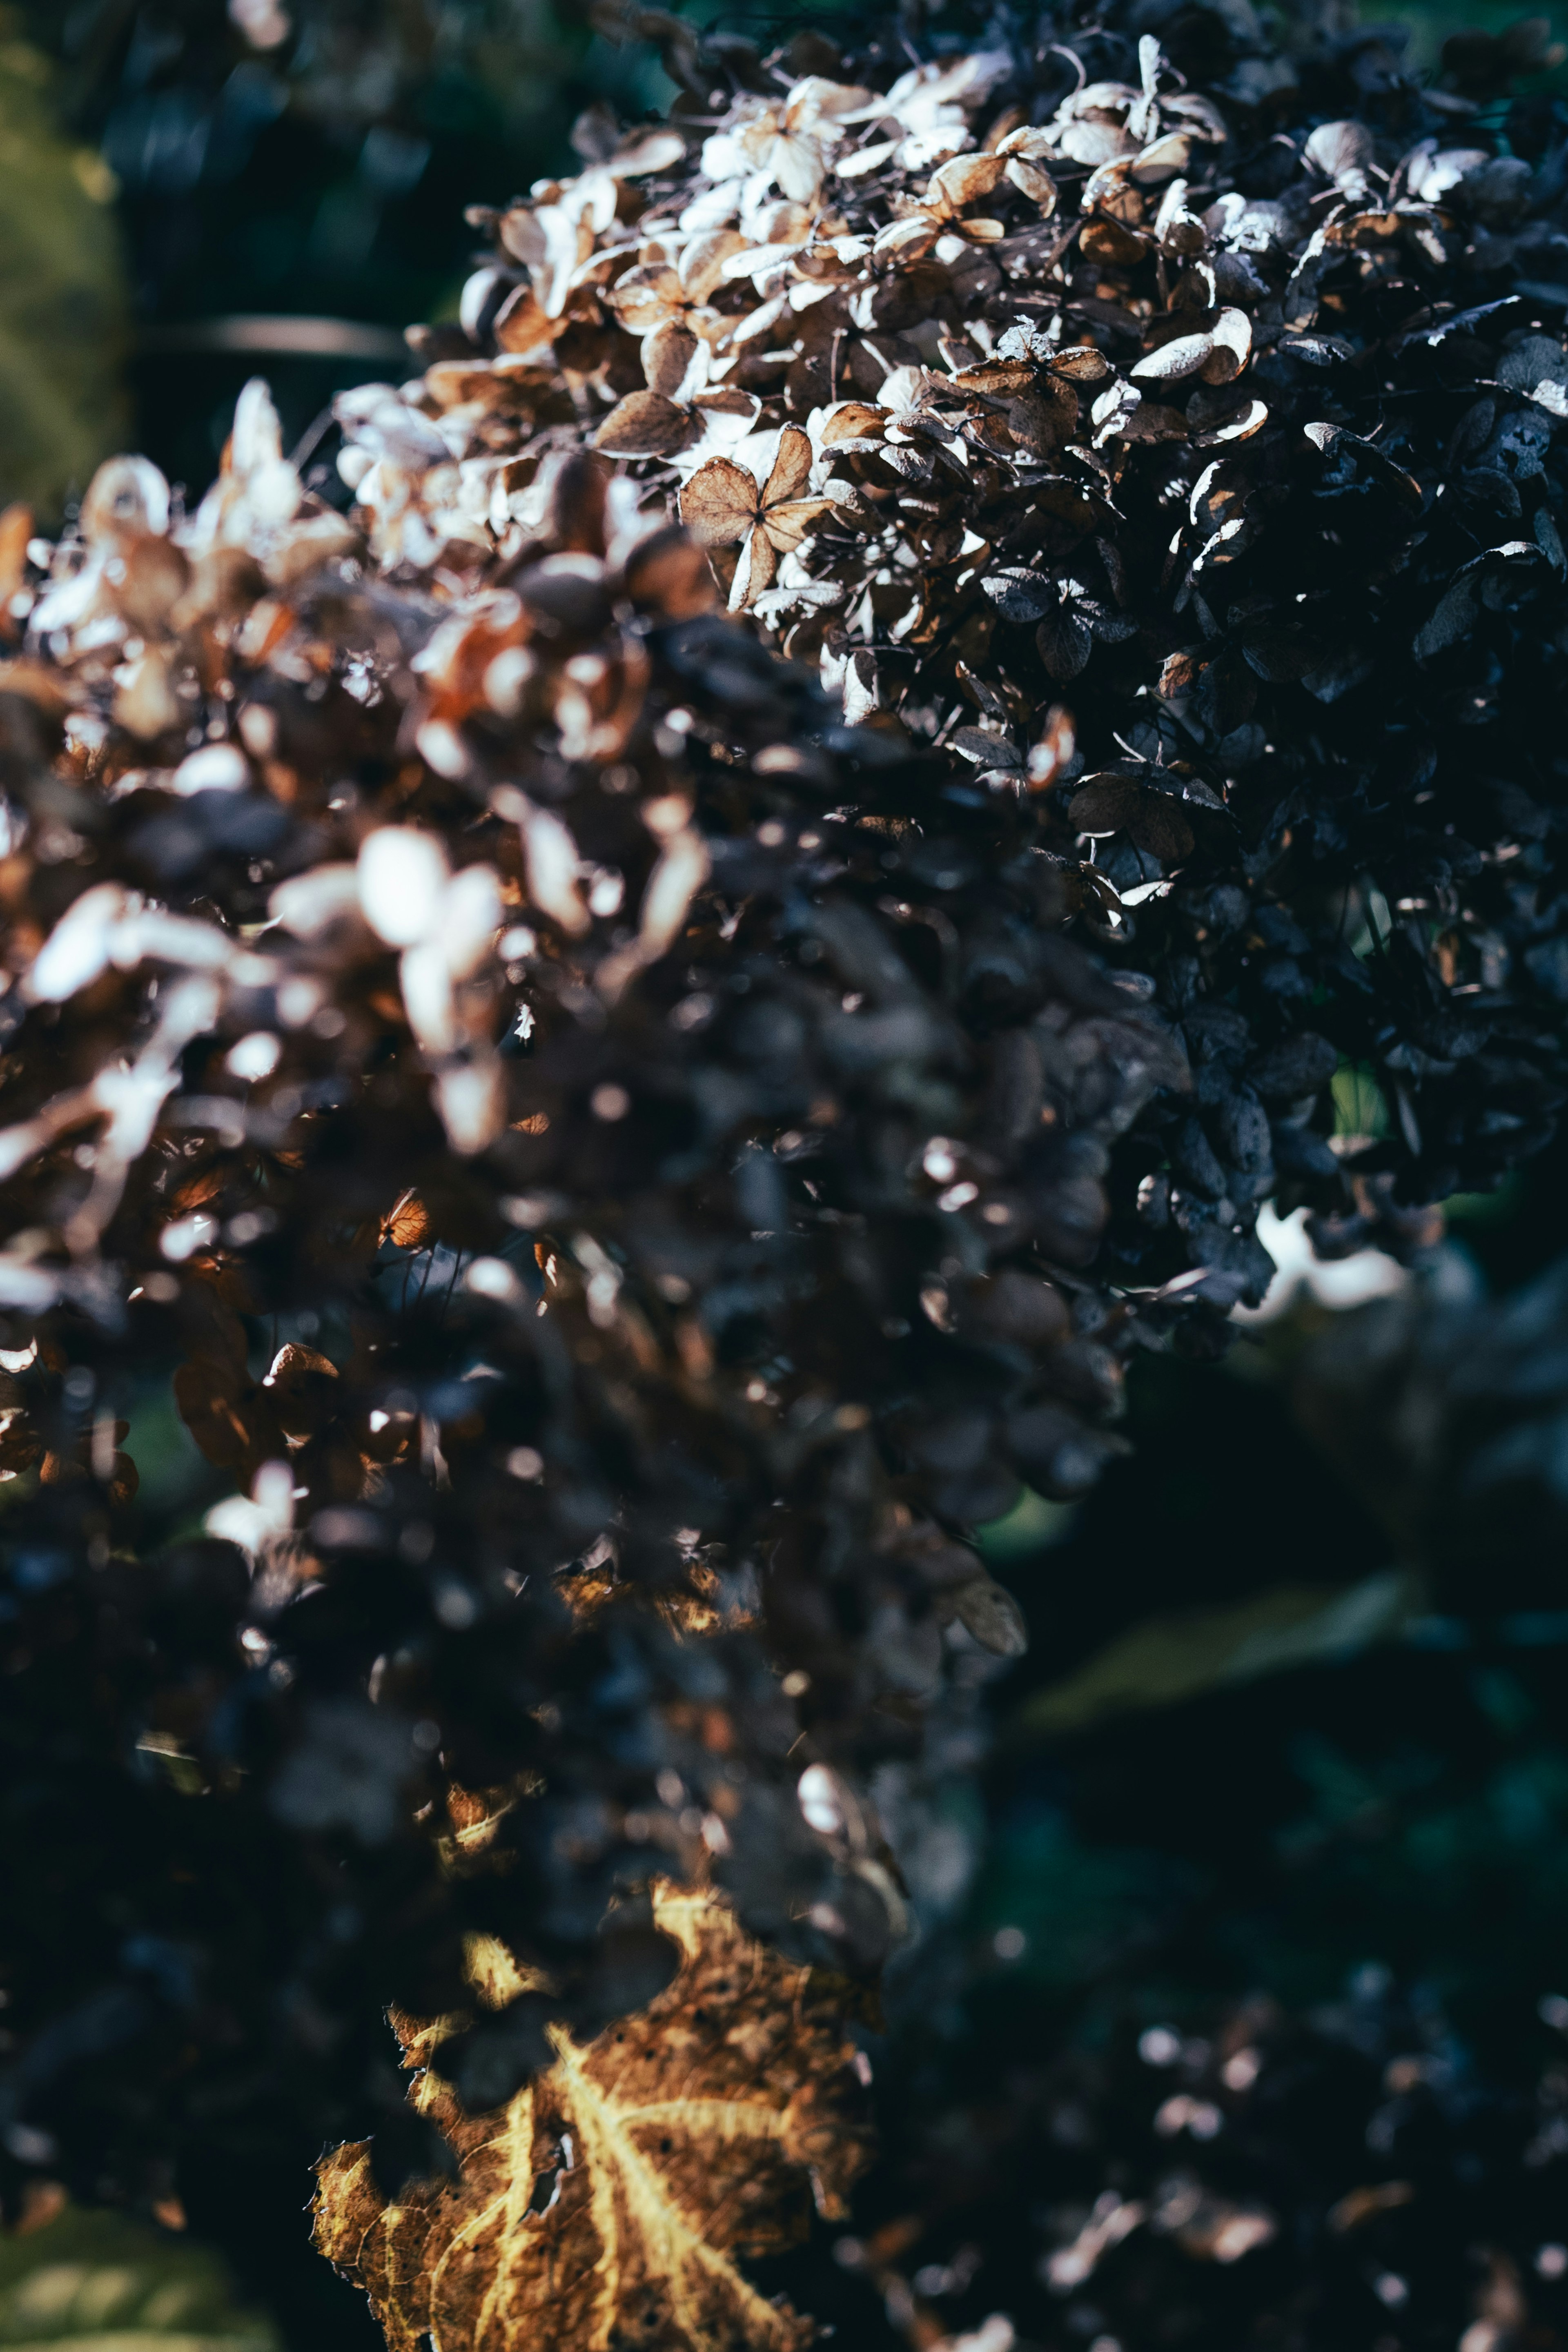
(1347, 2179)
(1243, 442)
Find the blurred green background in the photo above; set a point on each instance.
(180, 178)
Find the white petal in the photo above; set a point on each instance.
(554, 864)
(427, 995)
(79, 946)
(472, 1104)
(403, 877)
(310, 904)
(216, 768)
(471, 915)
(255, 1057)
(674, 881)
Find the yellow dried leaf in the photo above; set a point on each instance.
(608, 2203)
(476, 1816)
(407, 1225)
(495, 1975)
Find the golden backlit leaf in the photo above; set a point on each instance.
(476, 1816)
(607, 2203)
(407, 1225)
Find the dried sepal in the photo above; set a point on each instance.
(623, 2186)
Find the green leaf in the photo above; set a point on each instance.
(88, 2282)
(1180, 1656)
(62, 304)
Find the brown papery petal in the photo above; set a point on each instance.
(852, 420)
(1106, 240)
(964, 181)
(1340, 150)
(1158, 826)
(644, 296)
(1183, 355)
(1035, 181)
(1153, 422)
(645, 424)
(522, 325)
(1163, 160)
(666, 357)
(760, 323)
(701, 264)
(1247, 420)
(1040, 421)
(1027, 143)
(1103, 805)
(727, 400)
(1119, 804)
(566, 243)
(791, 467)
(1232, 334)
(1081, 364)
(718, 504)
(864, 161)
(757, 570)
(799, 163)
(709, 408)
(997, 378)
(840, 97)
(668, 575)
(788, 524)
(522, 235)
(909, 238)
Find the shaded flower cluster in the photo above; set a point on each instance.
(1125, 379)
(499, 1049)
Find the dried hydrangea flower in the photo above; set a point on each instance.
(622, 1169)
